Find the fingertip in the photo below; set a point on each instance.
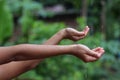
(87, 27)
(103, 51)
(95, 49)
(98, 48)
(94, 54)
(86, 30)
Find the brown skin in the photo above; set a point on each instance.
(18, 67)
(22, 66)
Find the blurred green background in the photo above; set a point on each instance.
(35, 21)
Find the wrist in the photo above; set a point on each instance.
(77, 49)
(69, 49)
(62, 33)
(74, 49)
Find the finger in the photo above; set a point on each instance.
(92, 59)
(81, 37)
(77, 33)
(78, 38)
(74, 32)
(96, 49)
(89, 58)
(100, 52)
(80, 33)
(93, 53)
(86, 30)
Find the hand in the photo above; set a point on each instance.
(72, 34)
(87, 55)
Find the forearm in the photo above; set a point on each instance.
(55, 39)
(18, 67)
(28, 52)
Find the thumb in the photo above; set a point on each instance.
(86, 30)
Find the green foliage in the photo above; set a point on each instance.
(29, 8)
(114, 32)
(66, 67)
(81, 22)
(72, 68)
(41, 31)
(6, 24)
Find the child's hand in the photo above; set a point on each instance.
(87, 55)
(72, 34)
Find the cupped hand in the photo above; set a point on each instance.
(86, 54)
(75, 35)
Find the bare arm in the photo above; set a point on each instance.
(23, 66)
(29, 52)
(18, 52)
(25, 52)
(18, 67)
(80, 51)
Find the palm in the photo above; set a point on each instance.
(87, 55)
(76, 35)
